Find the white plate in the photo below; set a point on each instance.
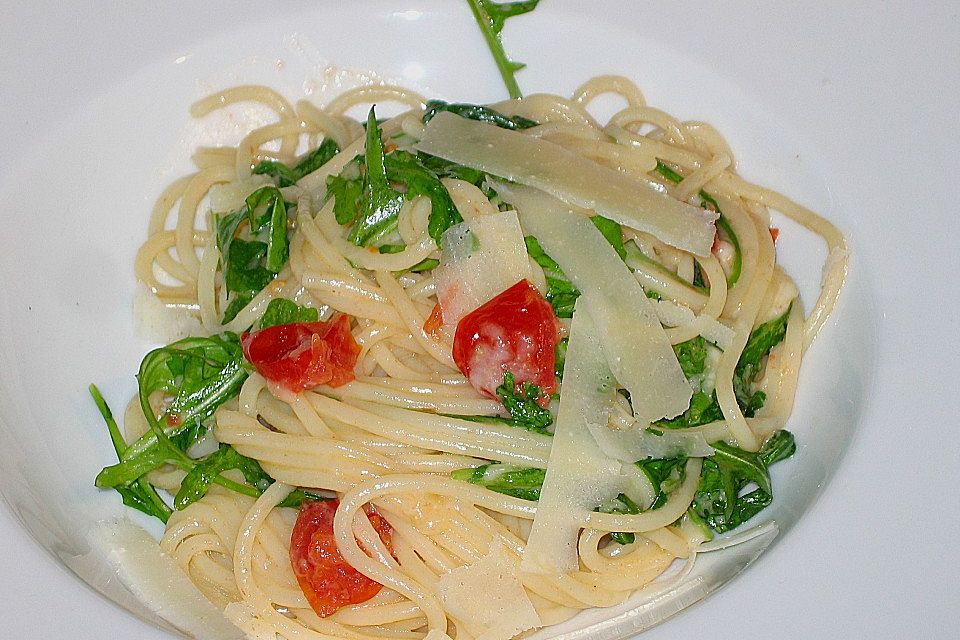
(849, 110)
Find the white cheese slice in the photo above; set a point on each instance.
(479, 259)
(579, 475)
(635, 344)
(631, 445)
(488, 596)
(635, 202)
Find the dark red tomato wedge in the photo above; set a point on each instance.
(515, 331)
(302, 355)
(325, 578)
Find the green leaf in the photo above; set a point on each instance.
(197, 375)
(138, 494)
(206, 471)
(490, 17)
(519, 482)
(380, 204)
(612, 232)
(285, 176)
(522, 404)
(561, 294)
(250, 263)
(446, 169)
(406, 168)
(621, 504)
(692, 356)
(762, 339)
(347, 191)
(703, 409)
(283, 311)
(561, 356)
(478, 112)
(665, 475)
(720, 500)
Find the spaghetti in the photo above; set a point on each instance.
(410, 435)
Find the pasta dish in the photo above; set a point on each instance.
(464, 371)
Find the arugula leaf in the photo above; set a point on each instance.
(478, 112)
(197, 375)
(447, 169)
(561, 356)
(283, 311)
(491, 16)
(762, 339)
(703, 409)
(197, 482)
(138, 494)
(406, 168)
(561, 294)
(372, 204)
(665, 474)
(522, 404)
(621, 504)
(424, 265)
(709, 202)
(285, 176)
(380, 203)
(248, 265)
(347, 191)
(725, 475)
(519, 482)
(611, 231)
(692, 356)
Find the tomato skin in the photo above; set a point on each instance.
(325, 578)
(303, 355)
(515, 331)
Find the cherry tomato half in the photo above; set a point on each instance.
(515, 331)
(302, 355)
(325, 578)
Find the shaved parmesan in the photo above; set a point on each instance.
(637, 203)
(138, 574)
(488, 596)
(479, 260)
(674, 315)
(579, 475)
(635, 344)
(640, 443)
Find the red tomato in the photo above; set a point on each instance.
(302, 355)
(325, 578)
(515, 331)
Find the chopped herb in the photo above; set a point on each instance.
(364, 195)
(197, 375)
(665, 475)
(612, 232)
